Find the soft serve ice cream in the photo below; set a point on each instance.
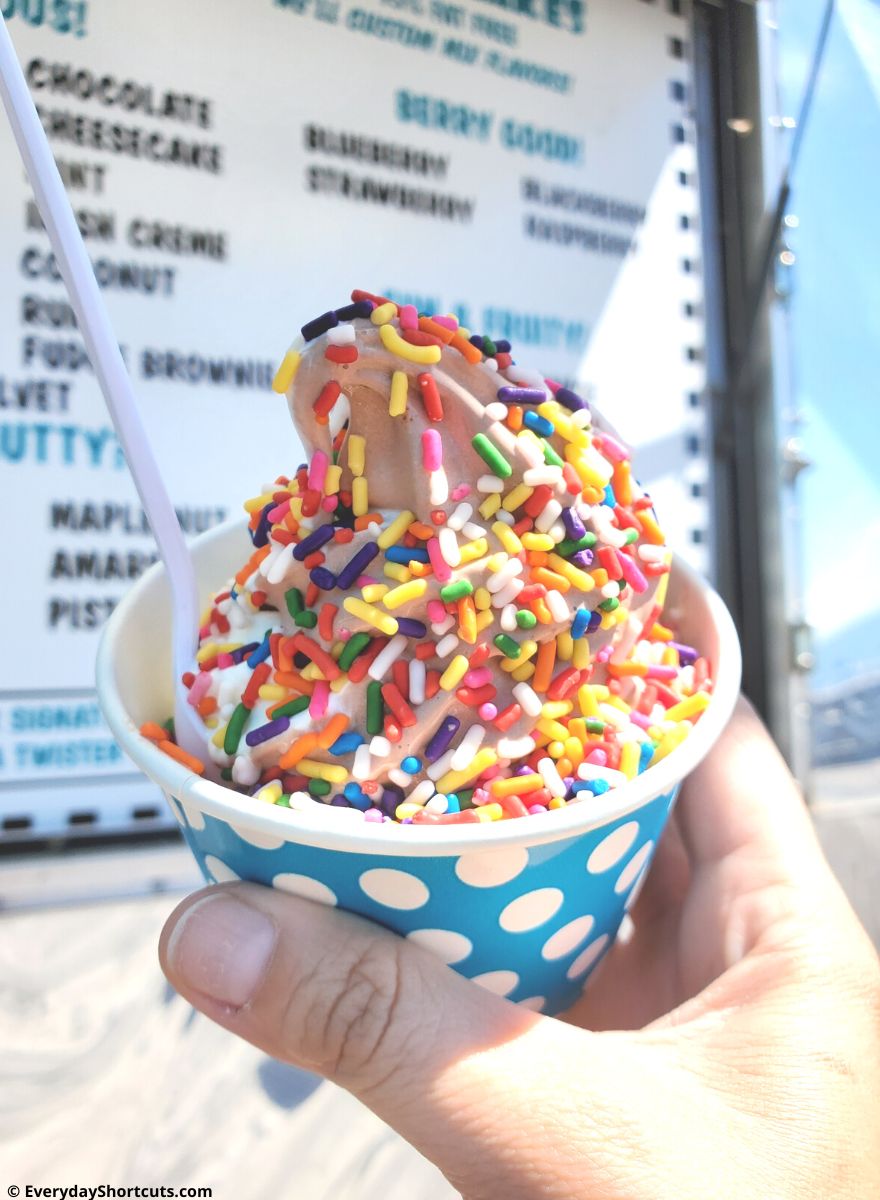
(451, 613)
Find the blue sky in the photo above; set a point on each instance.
(835, 308)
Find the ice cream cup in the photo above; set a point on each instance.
(525, 908)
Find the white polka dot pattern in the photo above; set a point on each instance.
(502, 983)
(612, 848)
(194, 817)
(632, 868)
(218, 870)
(568, 938)
(256, 837)
(394, 889)
(492, 868)
(587, 957)
(305, 886)
(531, 910)
(444, 944)
(534, 1003)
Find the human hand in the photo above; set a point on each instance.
(729, 1048)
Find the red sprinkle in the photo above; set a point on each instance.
(341, 354)
(399, 707)
(509, 716)
(431, 395)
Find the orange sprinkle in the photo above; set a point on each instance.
(651, 530)
(420, 570)
(154, 732)
(537, 558)
(273, 708)
(334, 728)
(541, 611)
(326, 617)
(425, 650)
(181, 756)
(627, 668)
(437, 330)
(514, 419)
(207, 706)
(251, 565)
(299, 749)
(544, 663)
(423, 532)
(599, 576)
(592, 495)
(291, 679)
(659, 633)
(621, 482)
(368, 519)
(465, 348)
(551, 579)
(467, 620)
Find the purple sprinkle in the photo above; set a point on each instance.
(521, 395)
(356, 565)
(409, 627)
(244, 652)
(687, 654)
(314, 541)
(523, 770)
(391, 797)
(266, 732)
(570, 399)
(595, 622)
(574, 526)
(439, 743)
(313, 329)
(323, 578)
(583, 559)
(476, 340)
(360, 308)
(502, 345)
(260, 535)
(339, 801)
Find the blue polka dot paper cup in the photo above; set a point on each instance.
(525, 908)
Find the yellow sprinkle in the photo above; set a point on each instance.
(397, 571)
(296, 507)
(588, 702)
(284, 376)
(357, 449)
(688, 708)
(554, 709)
(257, 502)
(574, 575)
(527, 648)
(629, 759)
(564, 647)
(482, 599)
(312, 671)
(453, 780)
(580, 656)
(337, 684)
(272, 691)
(618, 703)
(524, 673)
(660, 633)
(660, 594)
(312, 769)
(517, 785)
(395, 531)
(507, 537)
(578, 727)
(399, 394)
(210, 649)
(373, 616)
(212, 722)
(383, 313)
(586, 474)
(406, 810)
(403, 594)
(574, 750)
(490, 812)
(495, 562)
(271, 792)
(484, 618)
(490, 506)
(454, 673)
(516, 497)
(537, 541)
(554, 729)
(669, 742)
(471, 551)
(374, 592)
(332, 479)
(360, 496)
(670, 657)
(556, 802)
(394, 344)
(220, 736)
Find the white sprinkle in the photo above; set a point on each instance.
(490, 483)
(527, 376)
(400, 777)
(379, 745)
(545, 519)
(557, 604)
(652, 554)
(582, 418)
(301, 801)
(446, 645)
(508, 618)
(515, 747)
(280, 566)
(613, 716)
(381, 664)
(438, 628)
(441, 766)
(589, 771)
(547, 475)
(530, 448)
(557, 531)
(473, 531)
(438, 804)
(462, 514)
(467, 747)
(245, 771)
(417, 675)
(504, 517)
(501, 578)
(438, 487)
(341, 335)
(496, 411)
(490, 364)
(422, 792)
(508, 594)
(610, 590)
(528, 700)
(548, 772)
(362, 765)
(449, 546)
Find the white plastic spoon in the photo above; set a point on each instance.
(103, 348)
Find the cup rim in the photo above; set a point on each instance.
(330, 828)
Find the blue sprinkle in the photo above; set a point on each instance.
(411, 764)
(580, 623)
(646, 753)
(596, 786)
(403, 554)
(452, 804)
(347, 743)
(361, 802)
(323, 578)
(609, 498)
(260, 654)
(538, 424)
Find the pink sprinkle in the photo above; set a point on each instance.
(373, 816)
(343, 634)
(632, 574)
(201, 684)
(488, 712)
(480, 797)
(319, 700)
(640, 719)
(330, 503)
(491, 773)
(225, 660)
(204, 633)
(553, 385)
(363, 581)
(658, 672)
(460, 491)
(611, 447)
(436, 611)
(278, 513)
(441, 567)
(446, 321)
(536, 809)
(604, 654)
(408, 315)
(598, 758)
(478, 677)
(432, 450)
(318, 470)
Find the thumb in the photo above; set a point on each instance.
(338, 995)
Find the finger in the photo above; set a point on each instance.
(420, 1045)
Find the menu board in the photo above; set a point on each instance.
(235, 170)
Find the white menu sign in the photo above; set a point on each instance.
(237, 169)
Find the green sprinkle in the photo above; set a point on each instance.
(306, 619)
(355, 645)
(551, 458)
(508, 646)
(595, 726)
(492, 456)
(466, 799)
(526, 619)
(632, 535)
(489, 347)
(320, 787)
(168, 726)
(456, 590)
(294, 601)
(226, 774)
(610, 604)
(569, 546)
(292, 708)
(235, 728)
(283, 800)
(375, 707)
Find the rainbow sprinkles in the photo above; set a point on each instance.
(452, 612)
